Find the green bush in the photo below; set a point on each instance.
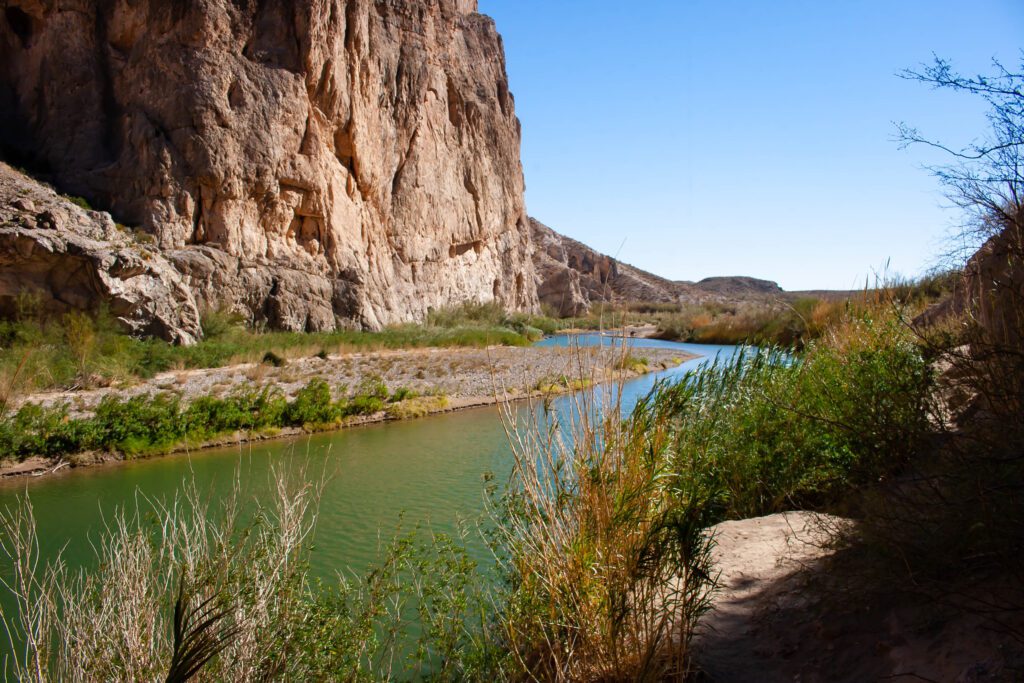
(770, 431)
(245, 409)
(312, 406)
(402, 394)
(139, 423)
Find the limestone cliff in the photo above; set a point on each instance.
(70, 258)
(312, 162)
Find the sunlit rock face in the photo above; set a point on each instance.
(58, 257)
(314, 163)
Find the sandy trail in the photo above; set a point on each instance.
(791, 610)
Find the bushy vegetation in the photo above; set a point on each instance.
(158, 423)
(78, 350)
(793, 324)
(605, 572)
(771, 431)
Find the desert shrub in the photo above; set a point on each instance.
(271, 358)
(244, 409)
(138, 423)
(35, 430)
(312, 405)
(216, 322)
(633, 363)
(372, 386)
(769, 431)
(80, 202)
(469, 313)
(402, 394)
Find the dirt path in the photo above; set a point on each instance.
(789, 610)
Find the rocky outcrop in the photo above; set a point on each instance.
(314, 163)
(572, 276)
(70, 258)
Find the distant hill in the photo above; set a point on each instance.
(572, 276)
(738, 285)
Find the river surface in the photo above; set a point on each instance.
(428, 470)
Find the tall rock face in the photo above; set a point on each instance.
(314, 162)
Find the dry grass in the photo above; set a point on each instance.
(113, 623)
(607, 572)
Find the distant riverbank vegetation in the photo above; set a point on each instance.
(79, 351)
(789, 321)
(159, 423)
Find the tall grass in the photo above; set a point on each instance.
(201, 591)
(78, 350)
(606, 571)
(793, 323)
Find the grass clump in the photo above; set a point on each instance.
(188, 580)
(80, 202)
(605, 571)
(417, 406)
(633, 363)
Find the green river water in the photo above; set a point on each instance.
(429, 470)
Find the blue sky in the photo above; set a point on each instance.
(696, 137)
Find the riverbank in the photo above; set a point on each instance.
(435, 380)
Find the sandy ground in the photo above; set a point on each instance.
(790, 610)
(459, 373)
(466, 377)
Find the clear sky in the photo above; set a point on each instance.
(746, 137)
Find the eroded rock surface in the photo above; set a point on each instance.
(572, 276)
(312, 162)
(69, 258)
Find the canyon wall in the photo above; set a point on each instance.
(315, 163)
(572, 276)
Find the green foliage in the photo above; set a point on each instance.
(770, 431)
(402, 394)
(606, 569)
(217, 322)
(491, 315)
(138, 424)
(81, 202)
(312, 406)
(634, 363)
(147, 424)
(39, 352)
